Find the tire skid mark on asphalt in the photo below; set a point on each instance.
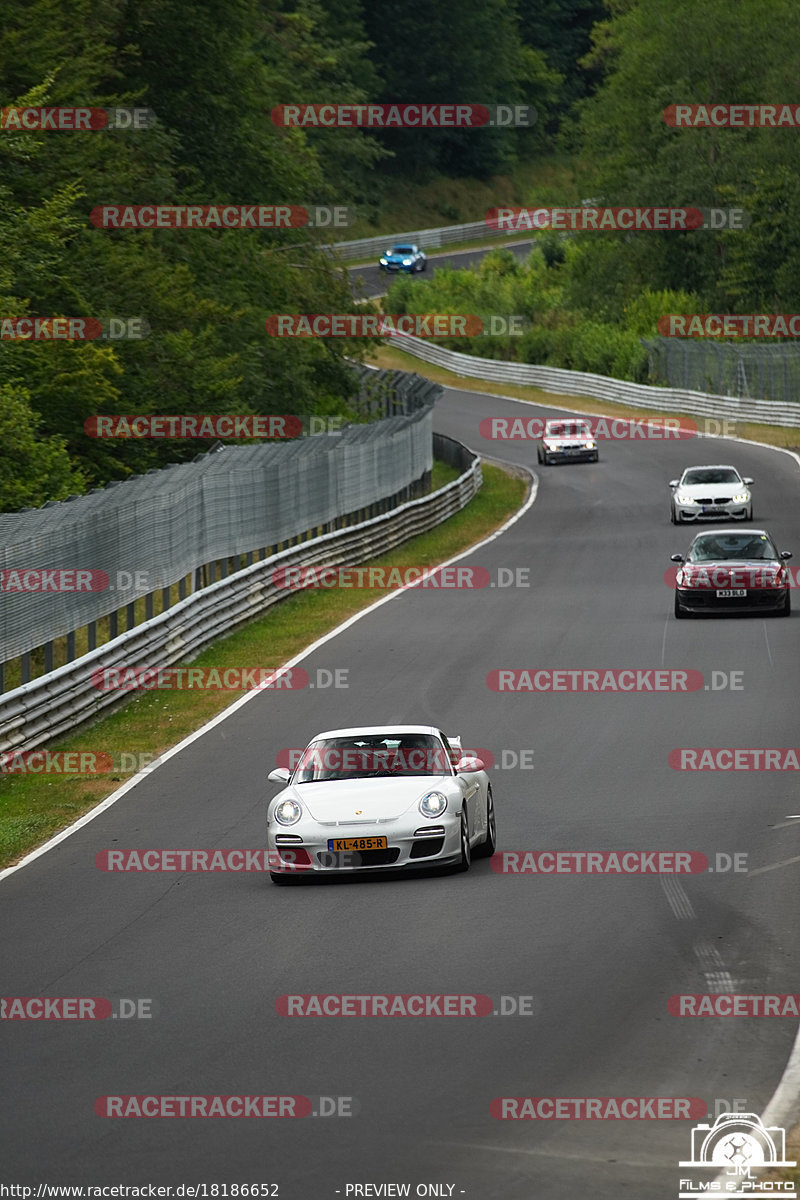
(677, 899)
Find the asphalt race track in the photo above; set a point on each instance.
(599, 955)
(375, 282)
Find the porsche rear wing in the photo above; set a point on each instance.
(456, 751)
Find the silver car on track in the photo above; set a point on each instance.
(710, 492)
(379, 798)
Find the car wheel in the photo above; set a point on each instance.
(539, 455)
(466, 849)
(680, 612)
(424, 266)
(786, 611)
(672, 515)
(489, 844)
(750, 514)
(596, 458)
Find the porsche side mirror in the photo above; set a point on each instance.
(469, 764)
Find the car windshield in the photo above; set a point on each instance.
(402, 250)
(739, 546)
(369, 757)
(710, 475)
(567, 429)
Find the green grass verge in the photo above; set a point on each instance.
(34, 807)
(390, 358)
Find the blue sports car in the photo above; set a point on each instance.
(404, 258)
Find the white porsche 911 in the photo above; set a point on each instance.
(378, 798)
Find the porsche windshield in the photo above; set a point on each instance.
(738, 546)
(368, 758)
(406, 251)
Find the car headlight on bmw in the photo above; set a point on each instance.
(741, 498)
(433, 805)
(685, 498)
(288, 812)
(588, 445)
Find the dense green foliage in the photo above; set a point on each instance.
(599, 75)
(592, 297)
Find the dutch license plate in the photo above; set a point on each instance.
(730, 593)
(367, 843)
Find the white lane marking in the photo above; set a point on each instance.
(228, 712)
(787, 862)
(678, 901)
(766, 639)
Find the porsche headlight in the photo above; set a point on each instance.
(288, 812)
(433, 805)
(741, 498)
(685, 498)
(407, 262)
(383, 262)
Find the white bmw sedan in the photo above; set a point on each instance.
(378, 798)
(567, 441)
(710, 492)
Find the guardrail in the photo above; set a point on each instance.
(603, 387)
(426, 239)
(60, 701)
